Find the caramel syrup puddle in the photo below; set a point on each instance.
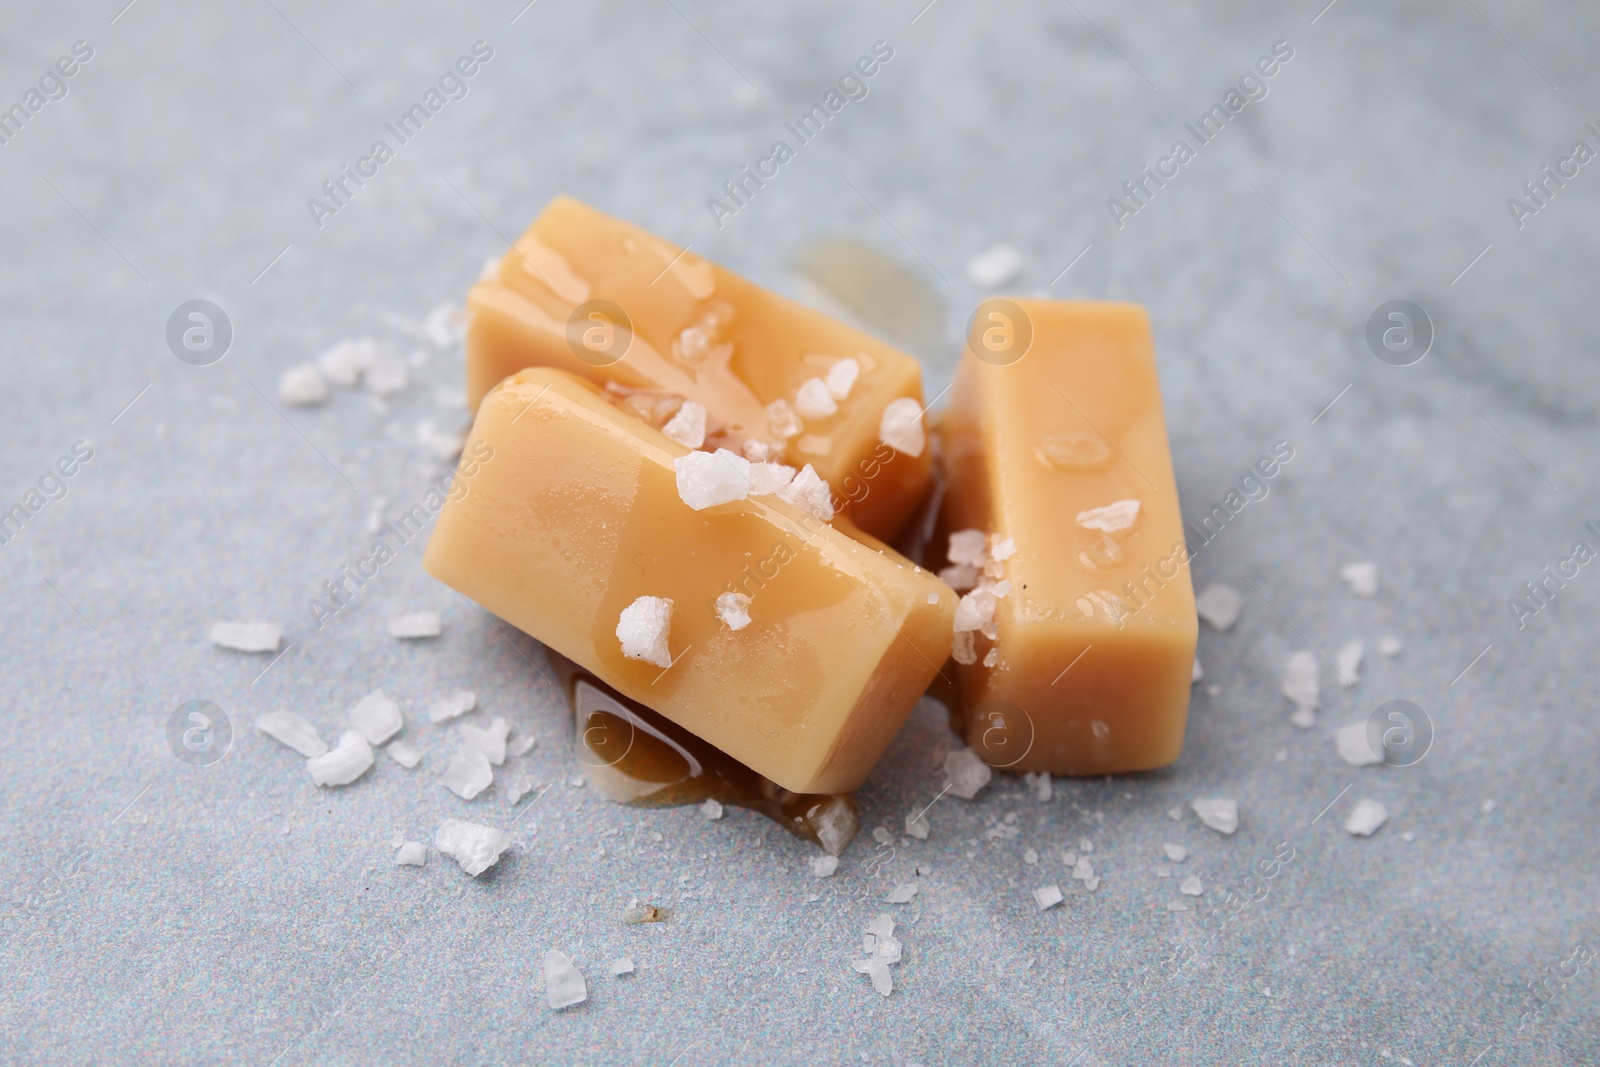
(636, 756)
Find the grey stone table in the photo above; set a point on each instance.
(157, 911)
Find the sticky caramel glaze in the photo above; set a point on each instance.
(634, 756)
(572, 513)
(573, 254)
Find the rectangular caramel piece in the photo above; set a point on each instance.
(1056, 448)
(571, 514)
(598, 297)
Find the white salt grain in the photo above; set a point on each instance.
(1003, 549)
(782, 420)
(1175, 853)
(878, 971)
(1092, 883)
(688, 425)
(967, 773)
(711, 809)
(1083, 870)
(302, 387)
(1304, 718)
(975, 610)
(836, 823)
(706, 479)
(411, 854)
(343, 764)
(769, 479)
(290, 729)
(991, 657)
(620, 966)
(1047, 896)
(1388, 646)
(1112, 518)
(902, 894)
(959, 576)
(643, 627)
(963, 649)
(917, 825)
(1362, 578)
(1198, 672)
(563, 982)
(882, 925)
(1353, 746)
(1191, 886)
(813, 400)
(1219, 605)
(841, 378)
(376, 717)
(1219, 814)
(969, 548)
(386, 376)
(1029, 856)
(467, 773)
(1366, 817)
(901, 427)
(490, 740)
(1348, 661)
(246, 636)
(522, 745)
(403, 754)
(517, 789)
(810, 494)
(344, 362)
(458, 703)
(734, 610)
(997, 266)
(476, 848)
(1300, 680)
(824, 866)
(417, 624)
(1039, 785)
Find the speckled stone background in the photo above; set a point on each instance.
(233, 913)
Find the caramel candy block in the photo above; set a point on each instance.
(657, 325)
(775, 637)
(1077, 632)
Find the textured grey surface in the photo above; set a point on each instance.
(157, 912)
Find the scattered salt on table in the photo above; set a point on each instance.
(476, 848)
(1191, 886)
(902, 894)
(1220, 814)
(302, 386)
(343, 764)
(1039, 785)
(967, 773)
(1366, 817)
(376, 717)
(246, 636)
(711, 809)
(563, 982)
(415, 625)
(824, 866)
(994, 267)
(411, 854)
(403, 754)
(1362, 578)
(1047, 896)
(620, 966)
(490, 740)
(458, 703)
(290, 729)
(1175, 853)
(1219, 605)
(1353, 745)
(1348, 661)
(1388, 646)
(917, 824)
(468, 773)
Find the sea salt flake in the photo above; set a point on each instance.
(963, 649)
(813, 400)
(968, 547)
(1039, 785)
(967, 773)
(302, 386)
(900, 426)
(563, 982)
(387, 375)
(823, 866)
(1362, 578)
(1083, 870)
(344, 763)
(1002, 548)
(959, 576)
(782, 420)
(620, 966)
(1112, 518)
(411, 854)
(1198, 672)
(734, 610)
(642, 629)
(1389, 646)
(458, 703)
(1085, 845)
(376, 717)
(476, 848)
(1348, 661)
(917, 825)
(995, 267)
(711, 809)
(1353, 746)
(882, 836)
(975, 610)
(415, 625)
(467, 773)
(1366, 817)
(490, 740)
(1175, 853)
(887, 950)
(882, 925)
(878, 971)
(841, 378)
(1029, 856)
(518, 788)
(1219, 605)
(687, 426)
(246, 636)
(1092, 883)
(706, 479)
(1047, 897)
(1304, 718)
(522, 745)
(293, 730)
(403, 754)
(1175, 813)
(902, 894)
(768, 479)
(1301, 680)
(1070, 859)
(1220, 814)
(991, 657)
(344, 362)
(1163, 870)
(1190, 886)
(810, 494)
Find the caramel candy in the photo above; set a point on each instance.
(657, 325)
(1076, 635)
(787, 644)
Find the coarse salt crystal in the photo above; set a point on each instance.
(522, 745)
(344, 362)
(902, 894)
(917, 825)
(969, 548)
(302, 386)
(878, 971)
(841, 378)
(900, 426)
(1198, 672)
(688, 426)
(1112, 518)
(643, 627)
(1300, 680)
(1353, 745)
(1362, 578)
(1219, 605)
(344, 763)
(458, 703)
(711, 809)
(767, 479)
(1047, 897)
(782, 420)
(810, 494)
(1029, 856)
(403, 754)
(823, 866)
(882, 925)
(293, 730)
(706, 479)
(1191, 886)
(967, 773)
(411, 854)
(490, 740)
(1003, 549)
(963, 649)
(1221, 815)
(1175, 853)
(246, 636)
(1366, 817)
(734, 610)
(959, 576)
(376, 717)
(975, 610)
(836, 822)
(991, 657)
(620, 966)
(1349, 663)
(468, 773)
(813, 400)
(517, 789)
(415, 625)
(994, 267)
(1083, 870)
(476, 848)
(1388, 646)
(387, 375)
(1039, 785)
(563, 982)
